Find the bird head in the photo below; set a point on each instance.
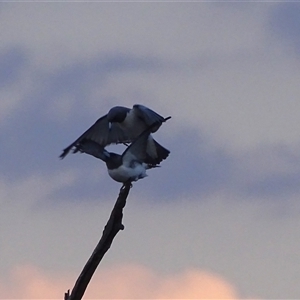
(117, 114)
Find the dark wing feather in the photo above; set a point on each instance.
(92, 148)
(138, 148)
(148, 116)
(101, 134)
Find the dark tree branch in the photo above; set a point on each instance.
(112, 227)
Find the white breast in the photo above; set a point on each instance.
(133, 125)
(124, 173)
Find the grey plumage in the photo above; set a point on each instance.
(124, 125)
(130, 166)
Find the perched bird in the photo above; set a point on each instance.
(124, 125)
(128, 167)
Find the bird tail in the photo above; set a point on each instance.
(162, 152)
(156, 153)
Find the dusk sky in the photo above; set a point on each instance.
(220, 219)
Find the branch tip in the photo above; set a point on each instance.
(67, 295)
(111, 228)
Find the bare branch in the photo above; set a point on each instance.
(113, 226)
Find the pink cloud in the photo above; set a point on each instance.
(120, 281)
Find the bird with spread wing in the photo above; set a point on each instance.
(124, 125)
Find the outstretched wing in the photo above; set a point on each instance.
(102, 133)
(92, 148)
(148, 116)
(137, 151)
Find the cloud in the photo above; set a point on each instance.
(12, 62)
(188, 31)
(28, 282)
(267, 172)
(229, 87)
(227, 197)
(120, 281)
(34, 188)
(197, 165)
(14, 80)
(284, 24)
(235, 236)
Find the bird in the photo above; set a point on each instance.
(125, 168)
(124, 125)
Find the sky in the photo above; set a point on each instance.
(220, 218)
